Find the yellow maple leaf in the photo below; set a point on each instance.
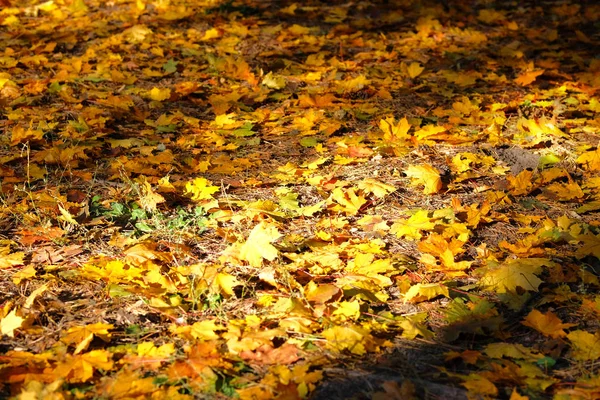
(83, 335)
(590, 245)
(480, 386)
(347, 201)
(26, 273)
(347, 310)
(425, 175)
(158, 94)
(411, 228)
(20, 135)
(149, 199)
(258, 245)
(414, 70)
(547, 324)
(414, 325)
(512, 274)
(512, 350)
(352, 338)
(205, 330)
(590, 160)
(373, 223)
(200, 189)
(521, 184)
(81, 367)
(528, 77)
(212, 278)
(378, 189)
(10, 323)
(136, 34)
(148, 349)
(354, 84)
(586, 346)
(425, 291)
(393, 131)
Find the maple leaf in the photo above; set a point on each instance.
(347, 310)
(393, 131)
(378, 189)
(83, 335)
(8, 260)
(286, 354)
(521, 184)
(414, 325)
(80, 368)
(411, 228)
(480, 386)
(586, 346)
(512, 274)
(511, 350)
(425, 291)
(200, 189)
(10, 323)
(352, 338)
(590, 245)
(590, 160)
(547, 324)
(414, 70)
(320, 294)
(149, 199)
(528, 77)
(425, 175)
(159, 94)
(210, 277)
(149, 356)
(258, 245)
(348, 202)
(373, 223)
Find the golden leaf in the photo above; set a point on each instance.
(425, 291)
(352, 338)
(258, 245)
(200, 189)
(590, 160)
(414, 70)
(10, 323)
(149, 198)
(586, 346)
(81, 367)
(411, 228)
(347, 310)
(82, 335)
(205, 330)
(425, 175)
(378, 189)
(8, 260)
(547, 324)
(158, 94)
(512, 274)
(528, 77)
(393, 131)
(348, 202)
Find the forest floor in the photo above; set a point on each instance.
(278, 199)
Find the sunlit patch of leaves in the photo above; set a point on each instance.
(254, 195)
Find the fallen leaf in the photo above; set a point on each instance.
(547, 324)
(258, 245)
(425, 175)
(10, 323)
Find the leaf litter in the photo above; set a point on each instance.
(238, 199)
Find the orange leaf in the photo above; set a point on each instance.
(547, 324)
